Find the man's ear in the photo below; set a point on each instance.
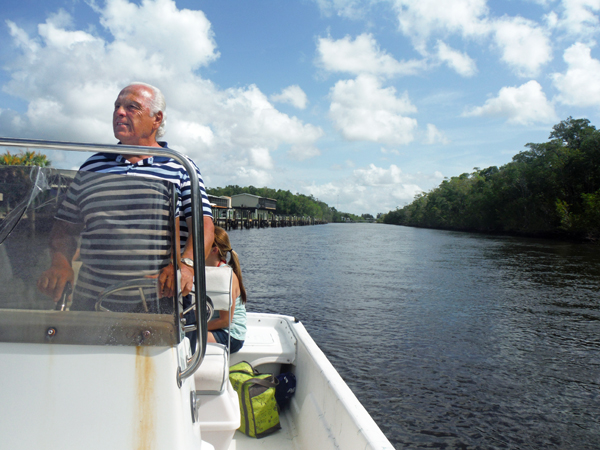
(158, 117)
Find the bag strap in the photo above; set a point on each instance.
(263, 382)
(245, 372)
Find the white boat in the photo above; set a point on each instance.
(128, 380)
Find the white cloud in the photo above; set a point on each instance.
(524, 44)
(419, 19)
(182, 39)
(580, 85)
(261, 157)
(362, 56)
(460, 62)
(293, 95)
(579, 17)
(377, 176)
(251, 177)
(523, 105)
(435, 136)
(525, 47)
(362, 110)
(55, 35)
(69, 79)
(371, 189)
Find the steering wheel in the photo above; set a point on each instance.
(210, 308)
(136, 283)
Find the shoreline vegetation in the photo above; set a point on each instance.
(550, 190)
(298, 205)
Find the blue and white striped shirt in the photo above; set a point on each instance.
(155, 167)
(126, 222)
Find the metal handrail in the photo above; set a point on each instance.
(197, 230)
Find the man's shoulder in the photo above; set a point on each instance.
(97, 160)
(194, 165)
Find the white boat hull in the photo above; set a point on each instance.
(324, 412)
(93, 397)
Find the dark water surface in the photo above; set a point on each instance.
(450, 340)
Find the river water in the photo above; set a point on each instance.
(450, 340)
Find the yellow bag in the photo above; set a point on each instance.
(258, 407)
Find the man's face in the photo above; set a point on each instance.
(132, 123)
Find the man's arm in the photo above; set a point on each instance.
(166, 278)
(63, 245)
(187, 272)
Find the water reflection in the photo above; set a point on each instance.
(450, 340)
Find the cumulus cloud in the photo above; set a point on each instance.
(420, 19)
(157, 26)
(372, 189)
(580, 84)
(435, 136)
(293, 95)
(69, 78)
(261, 158)
(525, 46)
(362, 56)
(377, 176)
(523, 105)
(460, 62)
(579, 17)
(246, 176)
(362, 109)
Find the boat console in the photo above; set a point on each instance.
(110, 361)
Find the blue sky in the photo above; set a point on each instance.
(362, 104)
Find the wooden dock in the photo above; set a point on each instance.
(275, 222)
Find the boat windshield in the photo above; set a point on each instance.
(117, 233)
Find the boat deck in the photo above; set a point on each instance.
(281, 439)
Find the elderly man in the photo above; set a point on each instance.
(139, 119)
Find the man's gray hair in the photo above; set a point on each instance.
(157, 103)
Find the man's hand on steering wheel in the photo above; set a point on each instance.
(187, 279)
(166, 280)
(52, 281)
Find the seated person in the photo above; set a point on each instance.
(218, 326)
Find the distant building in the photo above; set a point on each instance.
(220, 206)
(258, 207)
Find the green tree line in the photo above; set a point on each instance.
(550, 189)
(27, 158)
(288, 204)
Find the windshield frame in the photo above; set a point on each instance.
(197, 228)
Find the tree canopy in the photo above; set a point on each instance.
(552, 188)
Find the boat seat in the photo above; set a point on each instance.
(213, 374)
(269, 343)
(219, 411)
